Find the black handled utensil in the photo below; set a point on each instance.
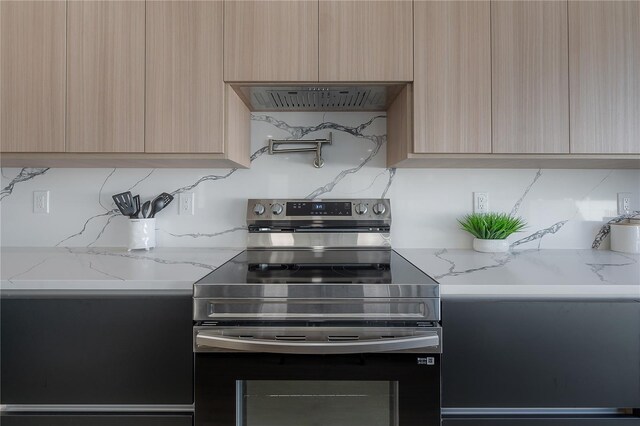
(124, 202)
(160, 202)
(136, 204)
(145, 209)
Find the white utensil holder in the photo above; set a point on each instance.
(142, 234)
(625, 237)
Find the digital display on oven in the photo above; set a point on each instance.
(319, 208)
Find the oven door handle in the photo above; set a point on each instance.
(212, 340)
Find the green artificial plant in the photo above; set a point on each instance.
(491, 226)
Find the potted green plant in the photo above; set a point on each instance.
(491, 230)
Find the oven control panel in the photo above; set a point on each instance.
(318, 208)
(336, 209)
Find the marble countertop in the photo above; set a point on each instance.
(531, 273)
(524, 273)
(107, 269)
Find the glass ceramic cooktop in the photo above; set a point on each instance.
(327, 267)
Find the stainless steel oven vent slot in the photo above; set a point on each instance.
(343, 338)
(292, 338)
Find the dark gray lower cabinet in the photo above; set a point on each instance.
(120, 349)
(96, 420)
(96, 350)
(540, 354)
(602, 421)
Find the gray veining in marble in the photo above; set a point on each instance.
(540, 234)
(516, 206)
(24, 175)
(498, 260)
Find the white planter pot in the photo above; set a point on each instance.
(142, 234)
(490, 246)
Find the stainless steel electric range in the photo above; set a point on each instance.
(319, 322)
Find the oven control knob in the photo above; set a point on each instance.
(258, 209)
(361, 208)
(379, 208)
(276, 209)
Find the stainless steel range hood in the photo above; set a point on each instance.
(370, 97)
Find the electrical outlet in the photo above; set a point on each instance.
(480, 202)
(187, 203)
(41, 202)
(624, 202)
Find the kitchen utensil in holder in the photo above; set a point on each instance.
(142, 234)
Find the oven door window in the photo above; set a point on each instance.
(316, 403)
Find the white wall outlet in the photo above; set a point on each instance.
(187, 203)
(41, 202)
(480, 202)
(624, 202)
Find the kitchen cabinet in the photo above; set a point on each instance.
(145, 86)
(96, 420)
(270, 41)
(365, 40)
(452, 77)
(32, 76)
(96, 350)
(604, 53)
(105, 76)
(540, 354)
(530, 77)
(185, 90)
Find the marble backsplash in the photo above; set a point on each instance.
(564, 208)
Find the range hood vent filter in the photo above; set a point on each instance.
(360, 98)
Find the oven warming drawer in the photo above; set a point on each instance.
(317, 340)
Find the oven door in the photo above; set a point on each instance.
(288, 384)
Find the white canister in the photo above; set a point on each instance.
(142, 234)
(625, 236)
(490, 246)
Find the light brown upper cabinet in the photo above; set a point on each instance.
(105, 75)
(530, 77)
(32, 76)
(366, 40)
(271, 40)
(185, 90)
(604, 52)
(452, 76)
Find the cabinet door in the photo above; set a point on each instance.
(96, 350)
(271, 40)
(530, 110)
(105, 66)
(32, 76)
(185, 90)
(366, 40)
(604, 53)
(540, 354)
(452, 76)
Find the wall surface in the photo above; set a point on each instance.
(564, 208)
